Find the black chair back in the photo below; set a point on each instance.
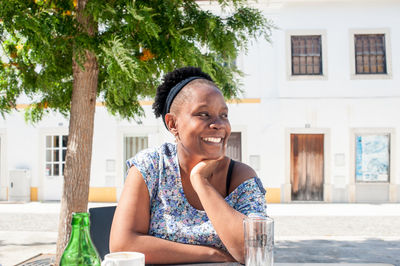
(100, 226)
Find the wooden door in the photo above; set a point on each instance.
(307, 166)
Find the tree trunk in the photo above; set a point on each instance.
(80, 136)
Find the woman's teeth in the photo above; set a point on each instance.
(214, 140)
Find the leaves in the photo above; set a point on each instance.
(136, 43)
(119, 59)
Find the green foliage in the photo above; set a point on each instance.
(136, 43)
(37, 48)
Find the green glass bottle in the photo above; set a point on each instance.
(80, 249)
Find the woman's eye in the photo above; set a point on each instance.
(224, 115)
(203, 114)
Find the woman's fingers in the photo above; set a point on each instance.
(205, 168)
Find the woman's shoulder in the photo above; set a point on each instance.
(241, 172)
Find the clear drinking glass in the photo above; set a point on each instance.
(259, 241)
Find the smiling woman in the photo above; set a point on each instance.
(178, 197)
(200, 122)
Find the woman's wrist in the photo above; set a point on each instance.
(199, 182)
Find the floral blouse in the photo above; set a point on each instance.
(171, 215)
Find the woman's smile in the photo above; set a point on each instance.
(213, 140)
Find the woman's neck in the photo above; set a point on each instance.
(186, 160)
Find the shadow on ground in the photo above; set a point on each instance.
(338, 251)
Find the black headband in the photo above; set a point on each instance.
(172, 94)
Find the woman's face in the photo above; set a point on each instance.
(202, 122)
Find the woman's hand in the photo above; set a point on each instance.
(202, 172)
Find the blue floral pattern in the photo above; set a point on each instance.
(172, 217)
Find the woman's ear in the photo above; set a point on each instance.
(170, 121)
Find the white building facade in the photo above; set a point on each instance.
(318, 120)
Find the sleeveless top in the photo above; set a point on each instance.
(171, 215)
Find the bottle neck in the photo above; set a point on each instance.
(79, 226)
(80, 218)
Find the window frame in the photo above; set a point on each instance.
(241, 145)
(368, 37)
(324, 58)
(132, 130)
(306, 38)
(388, 54)
(388, 134)
(144, 136)
(45, 180)
(392, 154)
(59, 150)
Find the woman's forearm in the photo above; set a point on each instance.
(161, 251)
(227, 222)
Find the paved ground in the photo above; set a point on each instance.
(352, 233)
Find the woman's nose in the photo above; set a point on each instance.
(217, 124)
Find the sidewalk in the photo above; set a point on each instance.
(324, 232)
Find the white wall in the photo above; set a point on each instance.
(336, 104)
(266, 63)
(339, 102)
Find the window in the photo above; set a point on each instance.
(234, 147)
(306, 55)
(132, 145)
(370, 53)
(372, 157)
(56, 150)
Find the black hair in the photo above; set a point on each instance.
(170, 80)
